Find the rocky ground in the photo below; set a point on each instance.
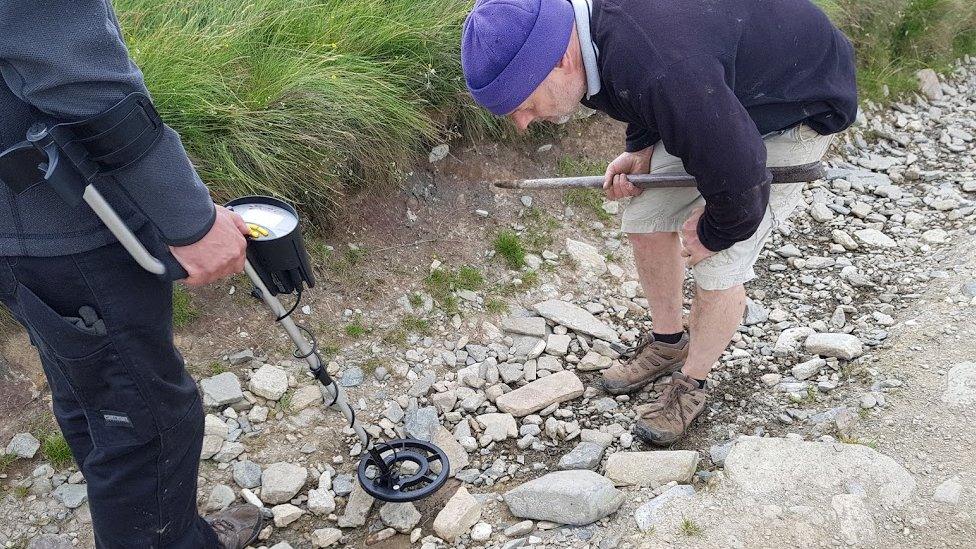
(842, 415)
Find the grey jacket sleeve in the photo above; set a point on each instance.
(67, 60)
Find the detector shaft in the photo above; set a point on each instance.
(332, 392)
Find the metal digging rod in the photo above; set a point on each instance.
(787, 174)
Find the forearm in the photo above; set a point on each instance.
(67, 60)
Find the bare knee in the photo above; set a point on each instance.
(652, 241)
(735, 293)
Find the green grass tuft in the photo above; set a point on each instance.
(356, 328)
(496, 306)
(894, 38)
(690, 529)
(443, 282)
(184, 310)
(303, 99)
(6, 460)
(510, 248)
(56, 450)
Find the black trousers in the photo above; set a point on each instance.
(125, 403)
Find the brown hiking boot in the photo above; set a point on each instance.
(237, 527)
(649, 360)
(665, 420)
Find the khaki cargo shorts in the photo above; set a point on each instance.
(665, 210)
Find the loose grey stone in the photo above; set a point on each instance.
(71, 496)
(948, 492)
(269, 382)
(402, 517)
(650, 514)
(422, 386)
(326, 537)
(586, 257)
(342, 484)
(422, 423)
(241, 357)
(961, 385)
(586, 455)
(459, 514)
(321, 502)
(520, 529)
(220, 497)
(808, 369)
(565, 497)
(23, 445)
(221, 390)
(874, 238)
(357, 508)
(282, 481)
(575, 318)
(352, 377)
(247, 474)
(843, 346)
(718, 452)
(531, 326)
(755, 313)
(651, 468)
(539, 394)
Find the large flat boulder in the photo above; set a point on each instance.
(793, 470)
(535, 396)
(565, 497)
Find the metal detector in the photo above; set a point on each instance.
(277, 263)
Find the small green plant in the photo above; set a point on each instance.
(468, 278)
(20, 492)
(6, 460)
(509, 247)
(216, 368)
(442, 283)
(356, 328)
(285, 402)
(370, 366)
(496, 306)
(415, 300)
(689, 528)
(184, 310)
(416, 325)
(56, 450)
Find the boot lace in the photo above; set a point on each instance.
(223, 526)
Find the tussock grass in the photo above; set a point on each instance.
(184, 310)
(56, 450)
(303, 99)
(895, 38)
(510, 248)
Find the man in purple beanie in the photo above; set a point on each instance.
(719, 90)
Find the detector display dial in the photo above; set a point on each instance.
(266, 221)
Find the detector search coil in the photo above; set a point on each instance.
(275, 247)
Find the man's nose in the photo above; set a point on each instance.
(522, 120)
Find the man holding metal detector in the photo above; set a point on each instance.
(103, 325)
(722, 91)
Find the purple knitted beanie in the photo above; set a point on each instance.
(509, 47)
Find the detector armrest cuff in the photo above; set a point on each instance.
(108, 142)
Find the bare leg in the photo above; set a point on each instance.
(661, 270)
(715, 316)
